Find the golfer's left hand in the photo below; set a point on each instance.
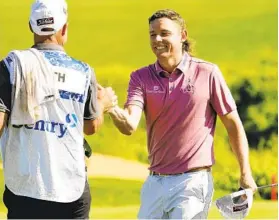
(247, 181)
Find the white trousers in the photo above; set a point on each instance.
(185, 196)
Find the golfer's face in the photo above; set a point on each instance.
(165, 38)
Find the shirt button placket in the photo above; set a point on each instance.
(170, 85)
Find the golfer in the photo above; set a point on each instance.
(47, 100)
(181, 97)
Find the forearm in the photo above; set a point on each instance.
(122, 120)
(100, 119)
(93, 125)
(239, 144)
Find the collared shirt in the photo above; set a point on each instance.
(182, 66)
(180, 111)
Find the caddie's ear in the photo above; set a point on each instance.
(64, 29)
(30, 28)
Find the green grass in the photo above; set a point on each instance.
(118, 192)
(260, 210)
(114, 198)
(114, 192)
(112, 36)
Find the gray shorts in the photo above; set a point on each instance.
(185, 196)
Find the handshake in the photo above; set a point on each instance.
(107, 98)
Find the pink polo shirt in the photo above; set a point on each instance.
(180, 111)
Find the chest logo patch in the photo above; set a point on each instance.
(155, 89)
(189, 88)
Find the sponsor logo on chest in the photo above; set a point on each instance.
(155, 89)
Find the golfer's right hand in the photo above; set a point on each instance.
(107, 97)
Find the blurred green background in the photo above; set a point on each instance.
(112, 36)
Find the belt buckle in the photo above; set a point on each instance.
(152, 173)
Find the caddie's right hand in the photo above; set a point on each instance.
(107, 97)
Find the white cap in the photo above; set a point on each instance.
(48, 14)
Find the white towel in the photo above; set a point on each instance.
(34, 84)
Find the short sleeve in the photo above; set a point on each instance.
(92, 110)
(5, 88)
(135, 91)
(220, 95)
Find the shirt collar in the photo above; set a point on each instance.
(48, 46)
(182, 66)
